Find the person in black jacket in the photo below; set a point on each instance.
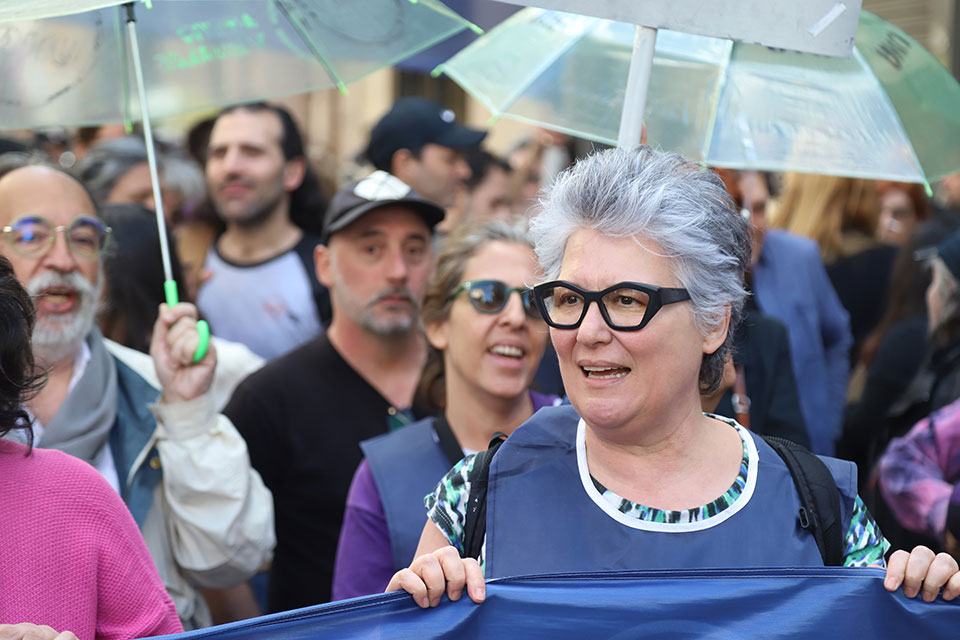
(762, 352)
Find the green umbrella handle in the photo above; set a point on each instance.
(203, 329)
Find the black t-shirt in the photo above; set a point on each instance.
(303, 416)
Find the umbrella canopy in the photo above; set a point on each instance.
(890, 111)
(78, 62)
(75, 70)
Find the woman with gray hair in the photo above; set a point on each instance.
(644, 259)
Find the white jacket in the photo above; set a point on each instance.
(210, 523)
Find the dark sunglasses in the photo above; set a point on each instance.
(626, 306)
(491, 296)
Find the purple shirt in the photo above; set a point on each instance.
(919, 474)
(364, 563)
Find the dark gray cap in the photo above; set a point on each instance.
(377, 190)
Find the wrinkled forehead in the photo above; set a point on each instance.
(44, 192)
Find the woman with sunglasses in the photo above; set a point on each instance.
(644, 259)
(487, 339)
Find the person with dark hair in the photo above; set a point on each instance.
(887, 405)
(644, 260)
(421, 143)
(903, 206)
(485, 194)
(102, 582)
(304, 414)
(261, 289)
(488, 187)
(485, 344)
(133, 291)
(147, 423)
(133, 271)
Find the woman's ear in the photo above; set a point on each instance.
(714, 339)
(437, 335)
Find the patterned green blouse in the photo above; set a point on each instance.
(447, 506)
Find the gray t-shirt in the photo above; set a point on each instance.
(268, 306)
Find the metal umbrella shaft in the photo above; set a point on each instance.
(169, 284)
(148, 140)
(638, 81)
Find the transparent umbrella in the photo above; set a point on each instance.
(890, 111)
(85, 62)
(76, 69)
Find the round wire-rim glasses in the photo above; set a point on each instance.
(491, 296)
(34, 236)
(564, 305)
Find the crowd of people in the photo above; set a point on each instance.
(620, 358)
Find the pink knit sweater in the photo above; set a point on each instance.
(71, 555)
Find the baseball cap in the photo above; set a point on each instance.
(414, 122)
(377, 190)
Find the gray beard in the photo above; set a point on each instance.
(54, 341)
(387, 328)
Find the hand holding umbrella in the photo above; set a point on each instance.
(175, 342)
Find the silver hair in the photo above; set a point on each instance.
(662, 197)
(108, 161)
(182, 173)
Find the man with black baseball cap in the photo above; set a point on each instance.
(305, 413)
(420, 142)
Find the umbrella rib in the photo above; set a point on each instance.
(337, 80)
(443, 9)
(705, 150)
(884, 96)
(539, 71)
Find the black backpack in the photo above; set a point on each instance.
(819, 511)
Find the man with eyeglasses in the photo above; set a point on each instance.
(146, 423)
(304, 414)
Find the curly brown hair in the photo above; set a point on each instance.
(19, 378)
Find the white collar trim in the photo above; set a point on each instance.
(672, 527)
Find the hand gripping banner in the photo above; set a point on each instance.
(716, 604)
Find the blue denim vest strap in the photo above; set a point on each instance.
(541, 518)
(407, 465)
(132, 431)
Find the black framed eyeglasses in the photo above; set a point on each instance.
(491, 296)
(626, 306)
(34, 236)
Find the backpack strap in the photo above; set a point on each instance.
(475, 523)
(820, 503)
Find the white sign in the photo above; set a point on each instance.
(826, 27)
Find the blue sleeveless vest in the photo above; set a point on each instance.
(541, 517)
(407, 464)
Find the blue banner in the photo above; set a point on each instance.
(718, 604)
